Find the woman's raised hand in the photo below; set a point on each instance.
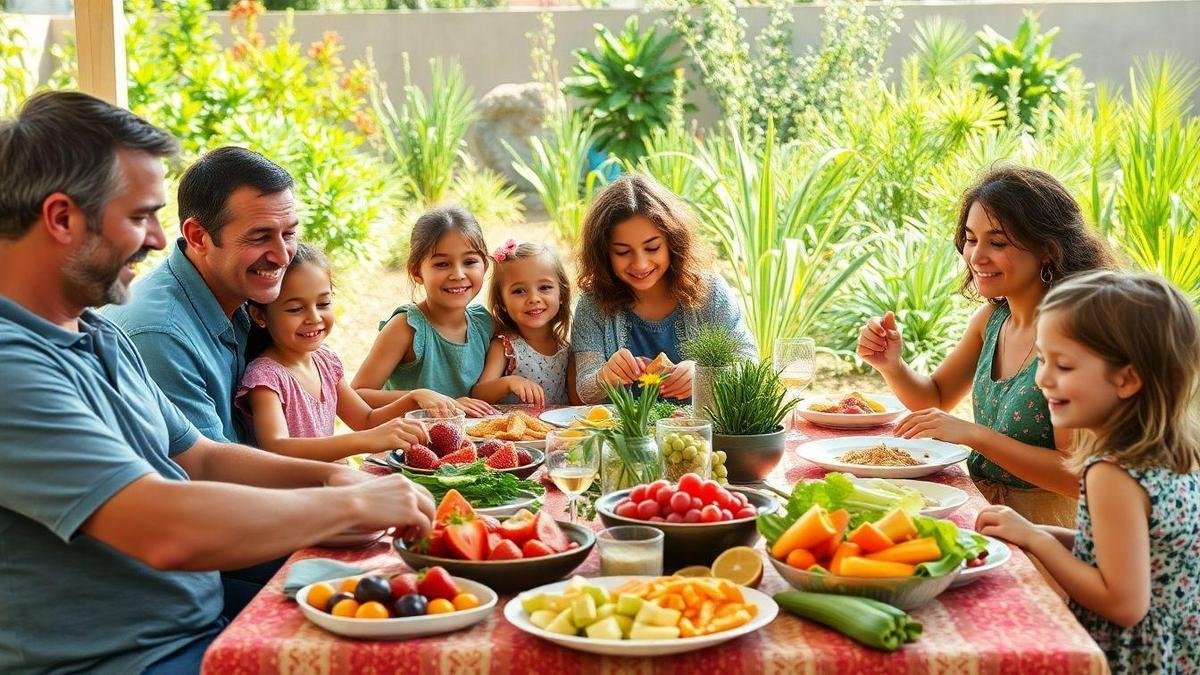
(879, 342)
(679, 383)
(622, 368)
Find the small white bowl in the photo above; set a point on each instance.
(406, 627)
(998, 554)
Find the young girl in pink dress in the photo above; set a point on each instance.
(291, 393)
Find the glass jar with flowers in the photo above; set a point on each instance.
(629, 455)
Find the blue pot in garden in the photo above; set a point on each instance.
(596, 159)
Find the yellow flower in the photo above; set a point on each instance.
(651, 378)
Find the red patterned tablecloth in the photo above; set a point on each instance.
(1008, 622)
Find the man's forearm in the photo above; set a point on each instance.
(228, 463)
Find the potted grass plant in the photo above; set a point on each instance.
(715, 350)
(749, 404)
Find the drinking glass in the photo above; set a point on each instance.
(630, 550)
(572, 462)
(795, 359)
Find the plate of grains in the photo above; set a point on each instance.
(883, 456)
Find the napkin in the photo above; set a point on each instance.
(312, 570)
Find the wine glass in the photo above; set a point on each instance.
(573, 460)
(795, 359)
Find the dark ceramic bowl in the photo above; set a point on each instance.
(695, 543)
(509, 576)
(750, 458)
(395, 459)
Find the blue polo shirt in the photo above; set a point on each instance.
(194, 352)
(80, 419)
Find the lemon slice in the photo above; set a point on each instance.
(740, 564)
(695, 571)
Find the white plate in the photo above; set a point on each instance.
(946, 498)
(562, 417)
(506, 509)
(539, 444)
(407, 627)
(998, 554)
(767, 609)
(353, 539)
(935, 455)
(842, 421)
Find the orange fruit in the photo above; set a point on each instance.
(371, 610)
(347, 608)
(740, 564)
(319, 595)
(694, 571)
(439, 606)
(465, 601)
(349, 584)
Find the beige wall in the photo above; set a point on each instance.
(492, 47)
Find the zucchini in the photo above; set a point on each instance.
(861, 619)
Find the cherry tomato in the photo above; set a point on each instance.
(690, 483)
(726, 514)
(371, 610)
(710, 514)
(346, 608)
(708, 491)
(648, 509)
(697, 503)
(681, 502)
(653, 488)
(319, 595)
(664, 496)
(674, 517)
(465, 601)
(627, 509)
(746, 512)
(637, 494)
(692, 516)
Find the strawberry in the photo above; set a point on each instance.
(444, 438)
(463, 456)
(534, 549)
(435, 582)
(489, 448)
(490, 522)
(466, 539)
(505, 458)
(421, 457)
(434, 544)
(506, 550)
(524, 457)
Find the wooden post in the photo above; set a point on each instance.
(100, 38)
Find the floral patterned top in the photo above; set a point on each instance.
(548, 371)
(1013, 406)
(1167, 640)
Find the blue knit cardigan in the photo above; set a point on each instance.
(596, 336)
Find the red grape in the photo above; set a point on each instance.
(638, 493)
(724, 499)
(697, 503)
(674, 517)
(726, 515)
(692, 516)
(710, 514)
(708, 491)
(746, 512)
(658, 519)
(653, 488)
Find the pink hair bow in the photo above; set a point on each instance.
(506, 249)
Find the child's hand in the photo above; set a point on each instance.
(438, 405)
(474, 407)
(621, 368)
(679, 383)
(1004, 523)
(527, 390)
(394, 434)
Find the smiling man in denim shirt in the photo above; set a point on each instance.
(114, 511)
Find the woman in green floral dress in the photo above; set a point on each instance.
(1019, 232)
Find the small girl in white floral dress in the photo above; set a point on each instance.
(529, 360)
(1120, 360)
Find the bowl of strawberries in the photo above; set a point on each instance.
(522, 551)
(449, 444)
